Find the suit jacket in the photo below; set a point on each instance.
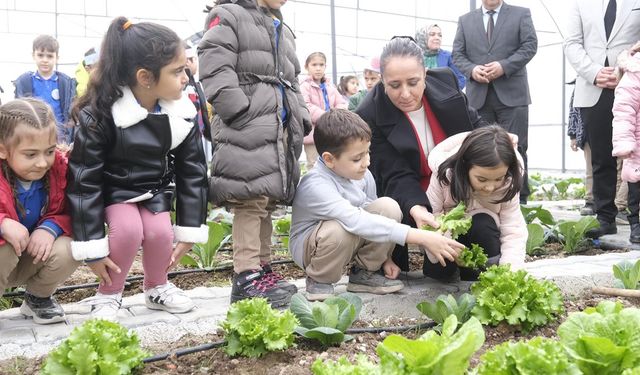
(395, 156)
(513, 44)
(586, 46)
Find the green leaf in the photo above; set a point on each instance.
(327, 336)
(456, 222)
(94, 346)
(473, 257)
(530, 213)
(301, 308)
(342, 366)
(252, 328)
(628, 274)
(535, 238)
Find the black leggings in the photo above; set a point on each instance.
(483, 232)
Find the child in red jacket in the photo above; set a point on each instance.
(34, 225)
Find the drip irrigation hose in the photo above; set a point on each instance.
(217, 344)
(68, 288)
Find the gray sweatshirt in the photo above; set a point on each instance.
(323, 195)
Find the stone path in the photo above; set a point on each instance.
(574, 275)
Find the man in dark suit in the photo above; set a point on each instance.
(492, 47)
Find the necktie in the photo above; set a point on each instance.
(610, 17)
(490, 24)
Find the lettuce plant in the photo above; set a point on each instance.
(604, 340)
(456, 222)
(627, 274)
(536, 239)
(96, 347)
(536, 356)
(515, 298)
(326, 321)
(473, 257)
(531, 213)
(433, 354)
(204, 255)
(252, 328)
(282, 227)
(342, 366)
(573, 232)
(443, 306)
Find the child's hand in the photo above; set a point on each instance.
(15, 234)
(574, 144)
(391, 270)
(422, 217)
(178, 253)
(100, 269)
(438, 245)
(40, 244)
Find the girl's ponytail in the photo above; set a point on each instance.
(126, 47)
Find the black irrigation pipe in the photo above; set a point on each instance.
(217, 344)
(68, 288)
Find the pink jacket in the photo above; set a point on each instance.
(508, 217)
(626, 117)
(312, 94)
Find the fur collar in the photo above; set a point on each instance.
(626, 62)
(126, 112)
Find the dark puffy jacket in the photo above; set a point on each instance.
(242, 72)
(133, 158)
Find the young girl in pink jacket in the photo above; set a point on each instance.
(482, 169)
(626, 134)
(320, 96)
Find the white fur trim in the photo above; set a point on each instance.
(627, 62)
(191, 234)
(126, 112)
(81, 250)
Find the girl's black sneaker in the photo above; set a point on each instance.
(43, 310)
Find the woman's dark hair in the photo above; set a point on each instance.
(400, 46)
(126, 48)
(343, 85)
(486, 147)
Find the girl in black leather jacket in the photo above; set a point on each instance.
(136, 135)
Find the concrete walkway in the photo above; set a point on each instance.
(574, 275)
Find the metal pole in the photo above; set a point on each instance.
(334, 65)
(564, 114)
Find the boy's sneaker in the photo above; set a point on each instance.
(588, 209)
(169, 298)
(279, 280)
(318, 291)
(256, 284)
(371, 282)
(104, 306)
(622, 217)
(43, 310)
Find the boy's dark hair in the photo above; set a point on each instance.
(46, 43)
(126, 48)
(335, 129)
(486, 147)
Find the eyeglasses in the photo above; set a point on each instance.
(404, 37)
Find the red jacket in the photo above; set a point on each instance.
(57, 209)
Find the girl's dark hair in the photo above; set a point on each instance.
(486, 147)
(400, 46)
(126, 48)
(33, 113)
(343, 86)
(315, 54)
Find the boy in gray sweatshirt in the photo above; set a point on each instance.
(338, 218)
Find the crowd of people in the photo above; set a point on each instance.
(92, 167)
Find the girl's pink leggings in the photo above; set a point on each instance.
(132, 225)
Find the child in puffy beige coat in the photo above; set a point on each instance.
(626, 133)
(482, 169)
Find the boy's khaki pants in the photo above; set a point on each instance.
(329, 247)
(251, 233)
(41, 279)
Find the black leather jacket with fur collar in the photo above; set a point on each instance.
(133, 158)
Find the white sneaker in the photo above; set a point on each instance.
(168, 297)
(105, 306)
